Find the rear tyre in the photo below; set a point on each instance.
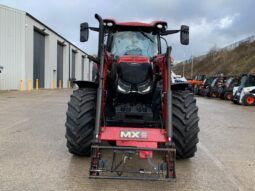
(248, 100)
(80, 121)
(212, 94)
(185, 124)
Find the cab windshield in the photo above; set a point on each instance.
(247, 81)
(214, 82)
(243, 81)
(208, 81)
(136, 43)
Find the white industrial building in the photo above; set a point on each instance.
(30, 50)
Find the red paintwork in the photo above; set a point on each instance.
(160, 61)
(155, 135)
(134, 59)
(135, 24)
(108, 60)
(142, 154)
(113, 134)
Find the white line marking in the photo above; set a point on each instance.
(219, 164)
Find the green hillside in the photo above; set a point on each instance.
(229, 62)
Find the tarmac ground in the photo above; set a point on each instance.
(33, 154)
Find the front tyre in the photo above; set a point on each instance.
(80, 121)
(248, 99)
(228, 96)
(185, 124)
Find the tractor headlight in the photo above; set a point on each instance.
(123, 88)
(144, 88)
(108, 24)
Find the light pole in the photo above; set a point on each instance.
(183, 68)
(191, 66)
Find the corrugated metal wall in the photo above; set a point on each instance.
(12, 47)
(16, 51)
(51, 43)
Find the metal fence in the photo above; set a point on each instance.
(226, 48)
(236, 44)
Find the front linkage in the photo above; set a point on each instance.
(164, 170)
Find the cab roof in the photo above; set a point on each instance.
(153, 24)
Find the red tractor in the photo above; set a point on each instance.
(132, 109)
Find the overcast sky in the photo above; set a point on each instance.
(212, 22)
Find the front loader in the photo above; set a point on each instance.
(132, 113)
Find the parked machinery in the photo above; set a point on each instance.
(195, 82)
(245, 93)
(203, 89)
(213, 89)
(226, 91)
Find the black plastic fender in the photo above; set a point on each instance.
(86, 84)
(179, 86)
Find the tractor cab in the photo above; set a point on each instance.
(134, 45)
(133, 48)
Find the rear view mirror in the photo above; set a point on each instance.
(84, 32)
(184, 35)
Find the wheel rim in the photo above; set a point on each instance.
(250, 100)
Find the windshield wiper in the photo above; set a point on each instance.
(145, 35)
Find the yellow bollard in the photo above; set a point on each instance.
(69, 84)
(36, 84)
(52, 84)
(59, 84)
(20, 85)
(28, 85)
